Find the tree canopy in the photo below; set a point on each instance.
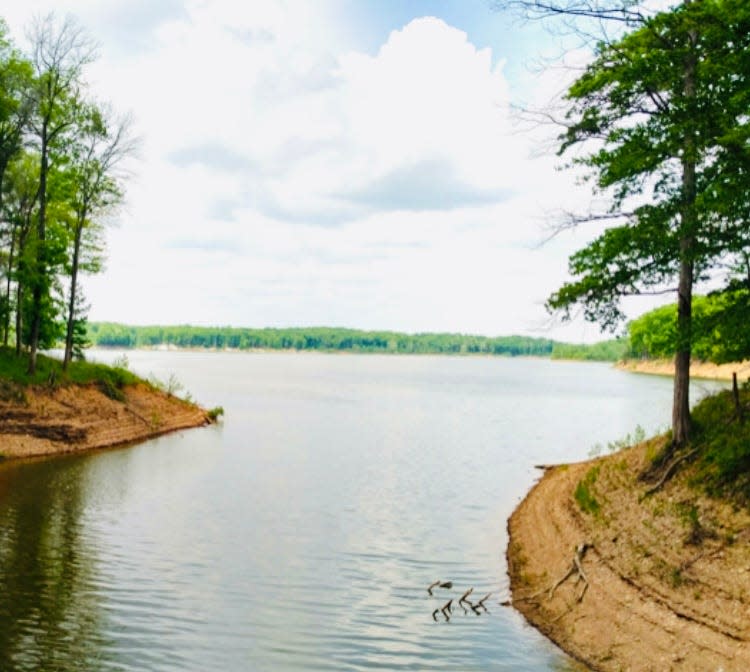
(659, 122)
(59, 150)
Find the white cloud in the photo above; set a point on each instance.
(286, 179)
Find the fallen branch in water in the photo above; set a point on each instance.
(440, 584)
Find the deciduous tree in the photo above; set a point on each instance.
(659, 119)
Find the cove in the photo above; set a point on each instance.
(302, 533)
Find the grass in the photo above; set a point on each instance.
(723, 442)
(14, 375)
(584, 494)
(215, 413)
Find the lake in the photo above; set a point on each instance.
(303, 531)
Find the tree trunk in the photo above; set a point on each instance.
(688, 223)
(73, 288)
(6, 326)
(40, 272)
(681, 402)
(19, 317)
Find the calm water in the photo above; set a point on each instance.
(302, 533)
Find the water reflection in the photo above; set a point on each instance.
(50, 616)
(302, 534)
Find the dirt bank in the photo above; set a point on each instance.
(668, 574)
(39, 421)
(665, 367)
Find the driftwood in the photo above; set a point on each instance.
(463, 602)
(440, 584)
(576, 568)
(480, 604)
(447, 610)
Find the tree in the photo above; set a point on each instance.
(102, 143)
(20, 189)
(659, 118)
(15, 101)
(60, 52)
(15, 107)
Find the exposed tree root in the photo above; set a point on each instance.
(670, 470)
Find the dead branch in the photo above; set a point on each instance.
(481, 602)
(465, 595)
(440, 584)
(447, 610)
(576, 568)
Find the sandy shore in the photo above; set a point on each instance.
(665, 367)
(657, 599)
(77, 418)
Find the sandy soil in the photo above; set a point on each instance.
(665, 367)
(77, 418)
(669, 584)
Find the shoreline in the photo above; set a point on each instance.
(652, 601)
(702, 370)
(37, 421)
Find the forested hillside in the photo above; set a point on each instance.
(107, 334)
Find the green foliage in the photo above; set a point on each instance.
(14, 371)
(58, 153)
(723, 441)
(605, 351)
(584, 495)
(661, 118)
(107, 334)
(215, 413)
(638, 436)
(719, 329)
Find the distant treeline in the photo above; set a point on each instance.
(108, 334)
(605, 351)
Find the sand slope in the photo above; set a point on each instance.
(656, 599)
(665, 367)
(75, 418)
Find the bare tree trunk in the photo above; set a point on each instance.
(19, 317)
(40, 270)
(73, 288)
(6, 326)
(681, 403)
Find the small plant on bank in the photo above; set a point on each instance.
(215, 413)
(638, 436)
(584, 495)
(121, 362)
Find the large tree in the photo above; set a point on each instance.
(60, 50)
(94, 188)
(659, 119)
(20, 189)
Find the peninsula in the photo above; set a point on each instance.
(92, 406)
(627, 564)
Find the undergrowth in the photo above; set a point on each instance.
(584, 494)
(14, 374)
(723, 441)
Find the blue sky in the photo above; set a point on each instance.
(330, 162)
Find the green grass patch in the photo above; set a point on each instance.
(723, 441)
(14, 375)
(215, 413)
(584, 494)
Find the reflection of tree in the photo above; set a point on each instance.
(49, 617)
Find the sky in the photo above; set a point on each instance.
(354, 163)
